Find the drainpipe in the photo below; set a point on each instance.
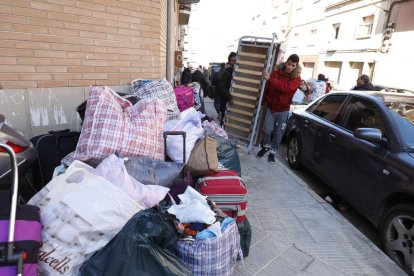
(390, 10)
(170, 43)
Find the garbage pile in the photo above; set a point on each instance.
(153, 187)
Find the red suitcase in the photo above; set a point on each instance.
(227, 190)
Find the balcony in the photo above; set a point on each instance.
(184, 14)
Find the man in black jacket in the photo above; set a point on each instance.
(364, 83)
(224, 83)
(186, 76)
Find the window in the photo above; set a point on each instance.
(336, 28)
(365, 30)
(312, 37)
(328, 108)
(364, 113)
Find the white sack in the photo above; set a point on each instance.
(113, 169)
(190, 123)
(80, 213)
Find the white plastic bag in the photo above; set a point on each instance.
(190, 123)
(80, 213)
(113, 169)
(193, 208)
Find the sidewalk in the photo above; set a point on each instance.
(295, 232)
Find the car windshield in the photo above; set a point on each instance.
(403, 113)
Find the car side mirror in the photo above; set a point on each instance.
(373, 135)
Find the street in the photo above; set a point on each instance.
(319, 187)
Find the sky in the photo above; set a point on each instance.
(215, 25)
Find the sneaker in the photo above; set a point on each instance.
(262, 152)
(271, 158)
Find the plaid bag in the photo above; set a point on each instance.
(211, 256)
(162, 90)
(113, 125)
(215, 128)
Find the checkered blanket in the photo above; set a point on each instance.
(162, 90)
(113, 125)
(212, 256)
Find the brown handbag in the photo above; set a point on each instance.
(203, 158)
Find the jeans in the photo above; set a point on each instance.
(274, 122)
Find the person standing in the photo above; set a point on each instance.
(364, 83)
(318, 88)
(280, 87)
(223, 85)
(186, 77)
(216, 79)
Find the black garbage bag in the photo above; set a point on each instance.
(153, 172)
(227, 153)
(139, 249)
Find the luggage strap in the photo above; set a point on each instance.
(233, 208)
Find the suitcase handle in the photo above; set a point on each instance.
(11, 256)
(59, 131)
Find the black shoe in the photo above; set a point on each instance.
(262, 152)
(271, 158)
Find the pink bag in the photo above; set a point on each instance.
(184, 96)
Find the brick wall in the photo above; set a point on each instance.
(60, 43)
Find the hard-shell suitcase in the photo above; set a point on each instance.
(227, 190)
(179, 185)
(51, 148)
(20, 230)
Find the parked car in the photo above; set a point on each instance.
(362, 145)
(26, 154)
(385, 88)
(299, 100)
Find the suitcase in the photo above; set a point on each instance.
(179, 185)
(228, 191)
(20, 230)
(51, 148)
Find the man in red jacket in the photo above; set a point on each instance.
(280, 87)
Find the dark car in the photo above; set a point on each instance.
(362, 145)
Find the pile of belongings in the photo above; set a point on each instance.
(123, 202)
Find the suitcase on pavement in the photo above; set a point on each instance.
(227, 190)
(179, 185)
(20, 231)
(51, 148)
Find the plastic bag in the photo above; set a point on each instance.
(113, 170)
(139, 249)
(193, 208)
(227, 153)
(153, 172)
(190, 123)
(81, 212)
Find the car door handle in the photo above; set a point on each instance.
(332, 137)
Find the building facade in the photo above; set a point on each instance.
(53, 50)
(345, 38)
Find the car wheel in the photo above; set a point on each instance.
(294, 152)
(398, 236)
